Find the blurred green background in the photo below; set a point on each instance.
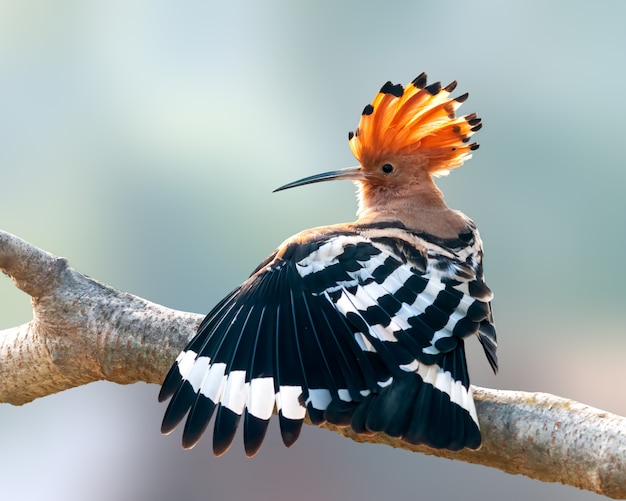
(142, 140)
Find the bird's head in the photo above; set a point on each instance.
(405, 136)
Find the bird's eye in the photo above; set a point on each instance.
(387, 168)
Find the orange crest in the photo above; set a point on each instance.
(417, 120)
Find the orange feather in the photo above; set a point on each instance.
(416, 120)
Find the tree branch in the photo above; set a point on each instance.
(84, 331)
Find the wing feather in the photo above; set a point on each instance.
(344, 327)
(260, 400)
(202, 377)
(236, 388)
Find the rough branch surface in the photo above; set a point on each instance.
(84, 331)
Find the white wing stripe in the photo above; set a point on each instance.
(261, 397)
(197, 373)
(326, 255)
(185, 362)
(236, 392)
(319, 398)
(287, 400)
(444, 382)
(214, 383)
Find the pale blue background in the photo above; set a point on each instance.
(142, 139)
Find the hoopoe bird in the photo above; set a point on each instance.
(358, 324)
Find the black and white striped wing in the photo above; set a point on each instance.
(343, 327)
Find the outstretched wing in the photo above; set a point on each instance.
(352, 328)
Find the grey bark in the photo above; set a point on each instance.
(84, 331)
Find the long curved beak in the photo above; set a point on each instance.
(354, 173)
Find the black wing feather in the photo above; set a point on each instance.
(182, 399)
(227, 420)
(288, 369)
(254, 428)
(173, 379)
